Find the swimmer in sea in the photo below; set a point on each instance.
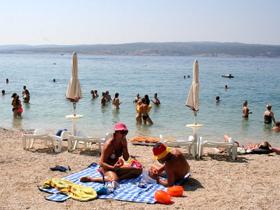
(156, 100)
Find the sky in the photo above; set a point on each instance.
(66, 22)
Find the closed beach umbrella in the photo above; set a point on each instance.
(193, 103)
(193, 97)
(73, 92)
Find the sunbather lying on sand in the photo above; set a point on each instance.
(174, 165)
(262, 148)
(112, 166)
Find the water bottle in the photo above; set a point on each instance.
(111, 186)
(145, 180)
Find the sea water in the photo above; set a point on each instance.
(255, 80)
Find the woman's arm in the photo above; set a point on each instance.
(125, 150)
(273, 118)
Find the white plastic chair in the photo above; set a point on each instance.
(190, 144)
(230, 147)
(39, 134)
(87, 141)
(57, 140)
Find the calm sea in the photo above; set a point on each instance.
(256, 80)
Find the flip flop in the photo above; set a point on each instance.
(60, 168)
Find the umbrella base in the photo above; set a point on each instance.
(196, 125)
(72, 116)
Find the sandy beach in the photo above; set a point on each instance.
(251, 182)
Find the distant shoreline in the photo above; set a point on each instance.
(198, 49)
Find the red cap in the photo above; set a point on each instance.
(160, 150)
(120, 127)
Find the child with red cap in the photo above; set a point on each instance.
(173, 163)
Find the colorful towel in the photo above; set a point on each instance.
(128, 189)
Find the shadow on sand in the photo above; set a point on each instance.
(192, 184)
(225, 157)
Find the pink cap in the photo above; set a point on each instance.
(120, 127)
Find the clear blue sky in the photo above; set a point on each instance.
(124, 21)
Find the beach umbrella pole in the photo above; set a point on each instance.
(194, 116)
(74, 127)
(74, 108)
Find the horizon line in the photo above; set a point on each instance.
(124, 43)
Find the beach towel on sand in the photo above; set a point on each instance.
(128, 189)
(75, 191)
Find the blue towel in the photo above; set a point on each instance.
(128, 189)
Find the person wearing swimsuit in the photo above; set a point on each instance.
(112, 166)
(144, 110)
(116, 101)
(156, 100)
(245, 110)
(268, 115)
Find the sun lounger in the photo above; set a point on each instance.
(86, 141)
(189, 143)
(38, 134)
(64, 136)
(230, 147)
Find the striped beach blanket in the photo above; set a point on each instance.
(128, 189)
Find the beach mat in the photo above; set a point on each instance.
(128, 189)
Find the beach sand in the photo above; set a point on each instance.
(251, 182)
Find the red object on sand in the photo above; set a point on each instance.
(163, 197)
(175, 191)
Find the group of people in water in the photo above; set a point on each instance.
(17, 108)
(113, 168)
(143, 106)
(268, 116)
(106, 98)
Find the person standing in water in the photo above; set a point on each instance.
(25, 95)
(144, 111)
(245, 110)
(268, 115)
(137, 98)
(116, 101)
(17, 107)
(156, 100)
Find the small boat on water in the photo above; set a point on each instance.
(228, 76)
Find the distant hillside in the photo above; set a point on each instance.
(213, 49)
